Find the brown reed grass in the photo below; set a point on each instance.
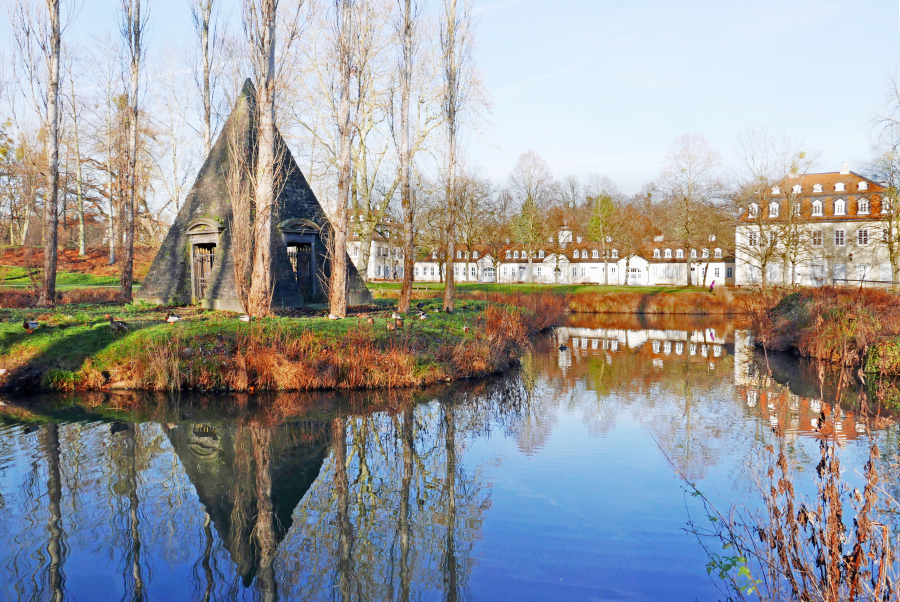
(22, 299)
(721, 302)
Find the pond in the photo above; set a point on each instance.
(558, 481)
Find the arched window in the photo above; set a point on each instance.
(693, 253)
(754, 209)
(817, 188)
(863, 186)
(817, 208)
(575, 254)
(595, 254)
(840, 207)
(668, 253)
(515, 254)
(773, 210)
(839, 187)
(679, 254)
(797, 189)
(615, 253)
(509, 254)
(474, 254)
(705, 253)
(541, 254)
(863, 206)
(776, 190)
(459, 254)
(718, 253)
(656, 253)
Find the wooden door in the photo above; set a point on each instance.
(300, 256)
(204, 256)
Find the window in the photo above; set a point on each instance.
(668, 253)
(862, 186)
(754, 209)
(693, 253)
(432, 270)
(474, 254)
(863, 206)
(615, 253)
(773, 239)
(817, 188)
(817, 238)
(379, 271)
(776, 190)
(473, 270)
(752, 240)
(459, 254)
(862, 271)
(541, 254)
(679, 254)
(508, 254)
(656, 253)
(595, 254)
(575, 254)
(417, 271)
(434, 254)
(715, 272)
(515, 254)
(839, 187)
(839, 238)
(582, 272)
(773, 210)
(705, 253)
(817, 208)
(862, 237)
(840, 208)
(524, 254)
(578, 239)
(718, 253)
(574, 272)
(729, 272)
(797, 189)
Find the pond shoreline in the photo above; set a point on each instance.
(76, 349)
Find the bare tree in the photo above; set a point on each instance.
(76, 108)
(456, 46)
(133, 25)
(534, 188)
(204, 13)
(407, 24)
(606, 222)
(690, 183)
(886, 169)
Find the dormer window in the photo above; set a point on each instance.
(776, 190)
(578, 239)
(615, 253)
(773, 210)
(576, 254)
(509, 254)
(541, 254)
(515, 254)
(693, 253)
(797, 189)
(885, 205)
(862, 186)
(459, 254)
(679, 254)
(595, 254)
(839, 187)
(668, 253)
(474, 254)
(817, 188)
(718, 253)
(524, 254)
(754, 209)
(817, 208)
(434, 254)
(705, 253)
(863, 207)
(840, 208)
(656, 253)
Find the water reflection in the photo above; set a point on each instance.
(545, 483)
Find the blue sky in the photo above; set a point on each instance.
(607, 86)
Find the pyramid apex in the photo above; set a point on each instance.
(248, 89)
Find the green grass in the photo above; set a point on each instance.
(69, 335)
(567, 289)
(17, 276)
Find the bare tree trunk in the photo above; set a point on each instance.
(51, 219)
(408, 438)
(261, 288)
(265, 517)
(338, 289)
(79, 181)
(451, 76)
(341, 489)
(201, 11)
(134, 32)
(449, 565)
(405, 200)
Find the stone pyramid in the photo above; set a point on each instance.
(194, 264)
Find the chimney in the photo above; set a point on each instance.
(845, 168)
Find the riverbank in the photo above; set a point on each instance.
(857, 330)
(600, 299)
(74, 347)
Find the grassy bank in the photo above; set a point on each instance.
(74, 347)
(688, 300)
